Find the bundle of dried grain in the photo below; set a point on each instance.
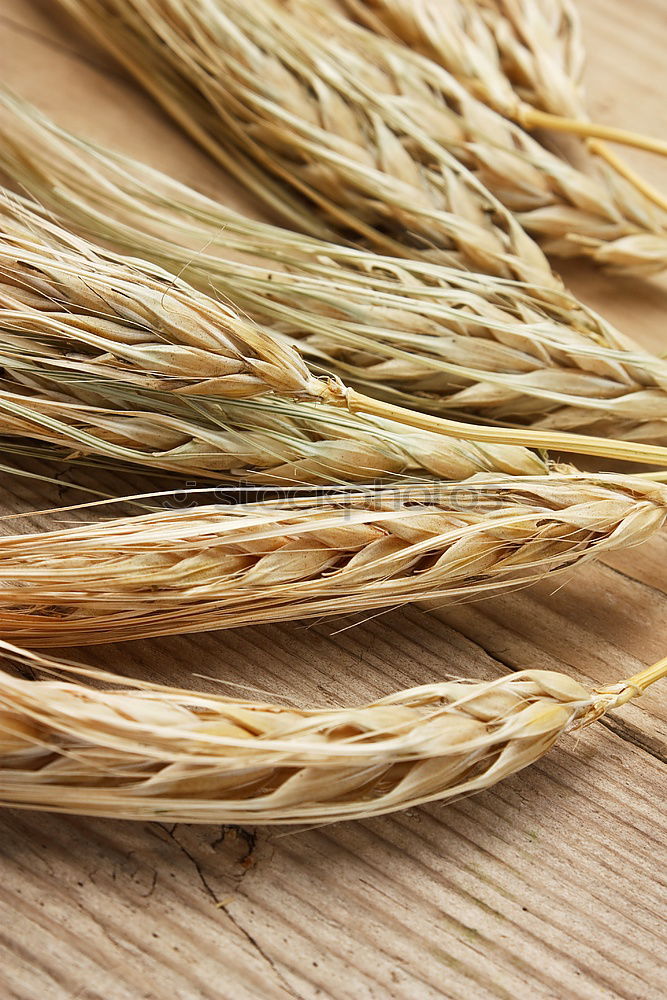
(422, 335)
(293, 97)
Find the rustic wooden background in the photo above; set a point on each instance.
(550, 886)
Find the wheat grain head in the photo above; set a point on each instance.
(385, 141)
(219, 567)
(422, 335)
(149, 752)
(525, 60)
(312, 126)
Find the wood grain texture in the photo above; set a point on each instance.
(549, 886)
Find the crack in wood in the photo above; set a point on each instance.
(633, 735)
(250, 840)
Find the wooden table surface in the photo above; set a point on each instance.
(550, 885)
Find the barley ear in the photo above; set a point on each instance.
(145, 751)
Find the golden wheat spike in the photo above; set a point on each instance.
(149, 752)
(140, 330)
(217, 567)
(425, 336)
(525, 59)
(385, 142)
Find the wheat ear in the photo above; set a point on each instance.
(150, 752)
(109, 357)
(524, 58)
(59, 289)
(383, 140)
(306, 128)
(561, 203)
(541, 45)
(422, 335)
(271, 441)
(136, 319)
(178, 571)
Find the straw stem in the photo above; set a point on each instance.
(619, 694)
(532, 118)
(616, 163)
(578, 444)
(642, 680)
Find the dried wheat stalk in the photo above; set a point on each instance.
(518, 56)
(513, 55)
(259, 441)
(145, 751)
(386, 142)
(106, 325)
(179, 571)
(423, 335)
(111, 357)
(79, 350)
(306, 127)
(525, 59)
(540, 47)
(55, 389)
(131, 318)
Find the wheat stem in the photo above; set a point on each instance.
(532, 118)
(638, 182)
(579, 444)
(648, 676)
(622, 692)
